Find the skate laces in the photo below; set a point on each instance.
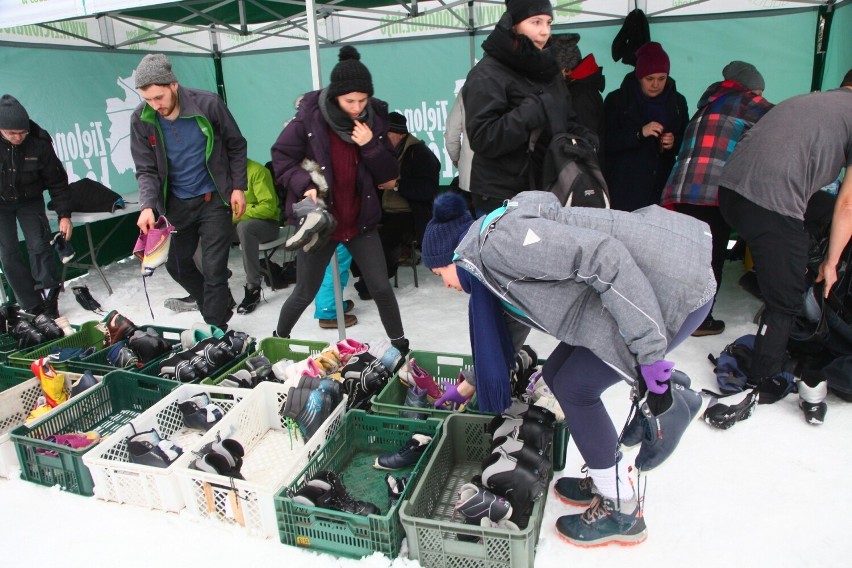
(598, 509)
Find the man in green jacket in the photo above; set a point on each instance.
(259, 224)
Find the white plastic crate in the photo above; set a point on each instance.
(274, 455)
(16, 403)
(117, 479)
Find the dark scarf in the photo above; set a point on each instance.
(654, 108)
(519, 53)
(340, 122)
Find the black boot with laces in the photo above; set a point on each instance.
(250, 302)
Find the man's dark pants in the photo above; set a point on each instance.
(779, 248)
(41, 274)
(209, 223)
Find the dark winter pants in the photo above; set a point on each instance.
(779, 247)
(720, 230)
(397, 230)
(578, 378)
(27, 281)
(366, 250)
(208, 223)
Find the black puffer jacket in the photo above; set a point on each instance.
(504, 96)
(636, 169)
(29, 168)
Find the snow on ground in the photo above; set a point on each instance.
(768, 492)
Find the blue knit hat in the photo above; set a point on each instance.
(450, 221)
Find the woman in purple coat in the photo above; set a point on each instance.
(336, 148)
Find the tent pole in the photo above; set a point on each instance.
(316, 76)
(471, 26)
(217, 63)
(824, 17)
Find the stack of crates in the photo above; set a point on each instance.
(98, 363)
(274, 452)
(275, 349)
(446, 367)
(118, 479)
(351, 452)
(103, 409)
(435, 538)
(87, 336)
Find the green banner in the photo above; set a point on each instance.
(84, 99)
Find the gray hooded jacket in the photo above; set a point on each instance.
(589, 276)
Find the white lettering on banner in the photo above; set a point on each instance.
(81, 145)
(428, 123)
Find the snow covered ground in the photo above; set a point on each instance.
(768, 492)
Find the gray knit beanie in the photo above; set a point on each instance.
(13, 116)
(154, 69)
(564, 47)
(745, 74)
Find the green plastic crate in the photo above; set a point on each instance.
(98, 364)
(104, 408)
(87, 336)
(351, 452)
(11, 376)
(8, 345)
(442, 367)
(427, 514)
(446, 367)
(275, 349)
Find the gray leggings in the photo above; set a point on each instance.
(366, 250)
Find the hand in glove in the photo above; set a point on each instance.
(451, 395)
(657, 375)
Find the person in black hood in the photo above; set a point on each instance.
(28, 166)
(585, 81)
(505, 96)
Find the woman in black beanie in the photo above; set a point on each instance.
(505, 96)
(335, 154)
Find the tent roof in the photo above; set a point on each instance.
(243, 25)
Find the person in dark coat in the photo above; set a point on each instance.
(338, 144)
(407, 201)
(586, 83)
(505, 96)
(28, 166)
(726, 111)
(645, 121)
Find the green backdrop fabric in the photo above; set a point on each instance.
(84, 97)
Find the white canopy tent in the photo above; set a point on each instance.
(237, 26)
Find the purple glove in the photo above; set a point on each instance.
(451, 395)
(657, 375)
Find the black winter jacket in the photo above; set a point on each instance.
(587, 102)
(504, 97)
(636, 169)
(29, 168)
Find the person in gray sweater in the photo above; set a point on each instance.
(619, 290)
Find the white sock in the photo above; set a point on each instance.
(813, 395)
(610, 486)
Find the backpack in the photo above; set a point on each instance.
(731, 366)
(571, 171)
